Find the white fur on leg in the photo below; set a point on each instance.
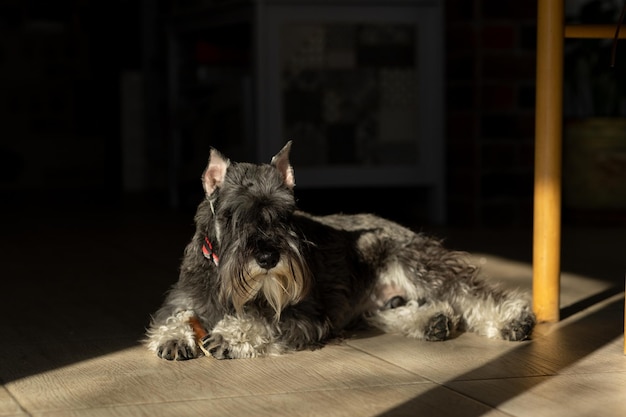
(411, 319)
(242, 337)
(488, 317)
(176, 327)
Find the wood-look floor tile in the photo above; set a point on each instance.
(467, 356)
(134, 375)
(392, 401)
(8, 406)
(581, 395)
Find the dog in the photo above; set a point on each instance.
(261, 277)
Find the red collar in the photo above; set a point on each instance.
(208, 252)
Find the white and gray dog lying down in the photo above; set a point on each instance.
(260, 277)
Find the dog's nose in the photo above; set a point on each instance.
(267, 259)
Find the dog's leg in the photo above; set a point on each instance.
(251, 336)
(428, 321)
(485, 309)
(497, 314)
(401, 306)
(172, 337)
(246, 336)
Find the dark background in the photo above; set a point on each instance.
(63, 69)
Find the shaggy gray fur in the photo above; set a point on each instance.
(273, 279)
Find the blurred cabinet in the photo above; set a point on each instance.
(357, 85)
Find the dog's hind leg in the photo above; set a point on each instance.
(433, 320)
(485, 308)
(496, 313)
(400, 306)
(448, 276)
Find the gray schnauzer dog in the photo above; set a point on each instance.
(260, 277)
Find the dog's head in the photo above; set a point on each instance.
(250, 235)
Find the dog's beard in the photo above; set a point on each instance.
(285, 284)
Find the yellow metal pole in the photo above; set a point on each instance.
(548, 139)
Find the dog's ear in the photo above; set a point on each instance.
(215, 172)
(281, 162)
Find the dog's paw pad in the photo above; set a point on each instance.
(176, 350)
(519, 329)
(438, 328)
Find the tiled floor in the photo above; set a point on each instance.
(77, 291)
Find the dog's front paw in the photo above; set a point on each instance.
(220, 348)
(240, 337)
(177, 350)
(215, 345)
(519, 329)
(438, 328)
